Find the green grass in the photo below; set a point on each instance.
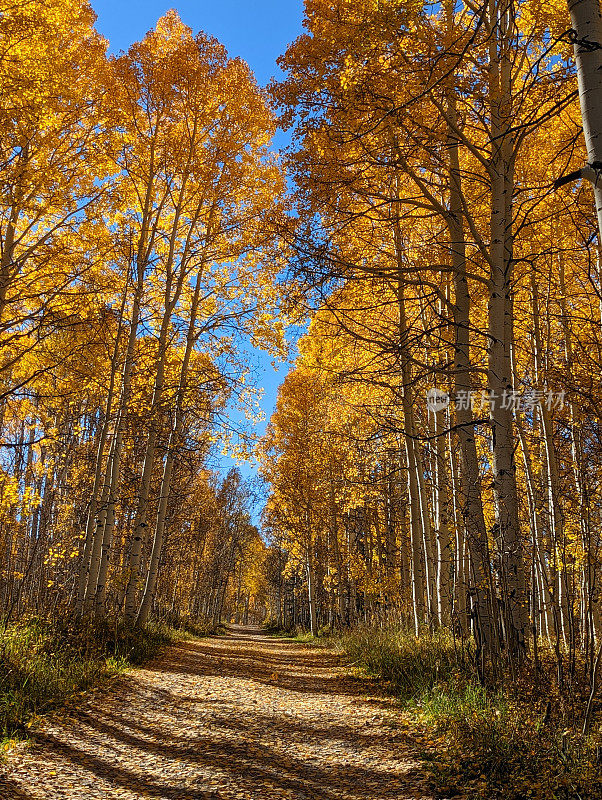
(298, 634)
(481, 744)
(44, 664)
(410, 666)
(294, 636)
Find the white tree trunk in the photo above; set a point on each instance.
(500, 383)
(174, 438)
(474, 533)
(106, 519)
(418, 546)
(172, 292)
(140, 522)
(84, 571)
(311, 593)
(587, 25)
(444, 547)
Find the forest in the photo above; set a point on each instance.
(424, 256)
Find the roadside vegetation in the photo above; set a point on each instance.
(43, 664)
(521, 739)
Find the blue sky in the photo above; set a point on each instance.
(256, 30)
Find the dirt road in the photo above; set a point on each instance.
(238, 716)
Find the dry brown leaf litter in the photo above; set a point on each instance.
(238, 717)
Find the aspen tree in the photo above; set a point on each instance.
(586, 35)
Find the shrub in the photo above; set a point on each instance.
(481, 744)
(43, 663)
